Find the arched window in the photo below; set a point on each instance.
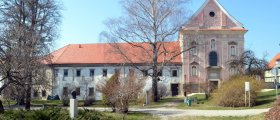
(213, 59)
(213, 44)
(194, 71)
(232, 50)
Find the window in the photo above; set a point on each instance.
(213, 44)
(91, 72)
(65, 73)
(56, 72)
(194, 50)
(194, 71)
(212, 14)
(232, 50)
(78, 91)
(65, 91)
(233, 70)
(44, 93)
(104, 72)
(213, 59)
(35, 94)
(131, 71)
(78, 72)
(117, 71)
(91, 91)
(145, 72)
(160, 73)
(174, 73)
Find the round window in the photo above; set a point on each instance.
(212, 14)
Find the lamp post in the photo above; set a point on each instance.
(276, 68)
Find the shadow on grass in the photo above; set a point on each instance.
(264, 102)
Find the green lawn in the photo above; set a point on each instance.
(264, 100)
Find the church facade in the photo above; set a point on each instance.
(213, 34)
(216, 37)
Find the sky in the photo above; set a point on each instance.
(83, 21)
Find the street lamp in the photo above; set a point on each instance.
(276, 68)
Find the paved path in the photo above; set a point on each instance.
(172, 112)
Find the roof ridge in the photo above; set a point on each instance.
(229, 15)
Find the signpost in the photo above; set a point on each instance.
(247, 90)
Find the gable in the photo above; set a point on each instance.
(272, 63)
(212, 15)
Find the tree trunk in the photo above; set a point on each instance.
(20, 97)
(1, 107)
(155, 91)
(20, 100)
(28, 95)
(28, 98)
(155, 73)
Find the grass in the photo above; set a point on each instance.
(63, 114)
(256, 117)
(264, 100)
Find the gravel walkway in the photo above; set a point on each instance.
(171, 112)
(178, 112)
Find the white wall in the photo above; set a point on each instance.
(85, 82)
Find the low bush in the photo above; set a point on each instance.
(53, 114)
(232, 92)
(46, 114)
(65, 101)
(162, 90)
(93, 115)
(89, 101)
(274, 112)
(118, 92)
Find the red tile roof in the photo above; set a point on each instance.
(104, 53)
(272, 63)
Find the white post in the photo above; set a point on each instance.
(247, 89)
(245, 99)
(147, 98)
(73, 108)
(249, 99)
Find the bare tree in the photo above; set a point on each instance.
(148, 29)
(28, 28)
(249, 64)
